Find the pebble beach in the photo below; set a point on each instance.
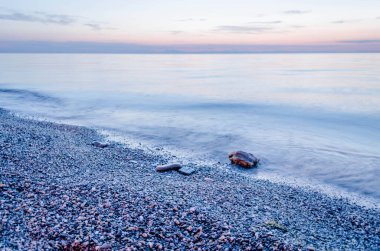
(60, 192)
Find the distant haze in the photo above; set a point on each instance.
(199, 26)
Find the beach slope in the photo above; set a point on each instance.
(58, 191)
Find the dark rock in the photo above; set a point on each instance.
(100, 145)
(243, 159)
(168, 167)
(186, 170)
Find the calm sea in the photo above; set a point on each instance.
(311, 118)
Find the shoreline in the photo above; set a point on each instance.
(60, 192)
(308, 184)
(183, 157)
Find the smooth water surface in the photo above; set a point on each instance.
(314, 117)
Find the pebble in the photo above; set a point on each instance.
(192, 209)
(168, 167)
(100, 145)
(186, 170)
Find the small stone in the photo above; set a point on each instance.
(199, 230)
(192, 209)
(259, 246)
(100, 145)
(133, 228)
(168, 167)
(186, 170)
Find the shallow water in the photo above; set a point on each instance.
(314, 117)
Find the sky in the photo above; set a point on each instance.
(150, 26)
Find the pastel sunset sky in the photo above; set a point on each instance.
(189, 26)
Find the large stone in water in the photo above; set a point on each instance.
(168, 167)
(243, 159)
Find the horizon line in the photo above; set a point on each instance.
(189, 53)
(135, 48)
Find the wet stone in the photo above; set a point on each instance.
(99, 144)
(243, 159)
(168, 167)
(186, 170)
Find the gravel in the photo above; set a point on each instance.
(58, 191)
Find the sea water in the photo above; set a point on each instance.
(309, 117)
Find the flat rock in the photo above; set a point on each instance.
(186, 170)
(168, 167)
(243, 159)
(100, 145)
